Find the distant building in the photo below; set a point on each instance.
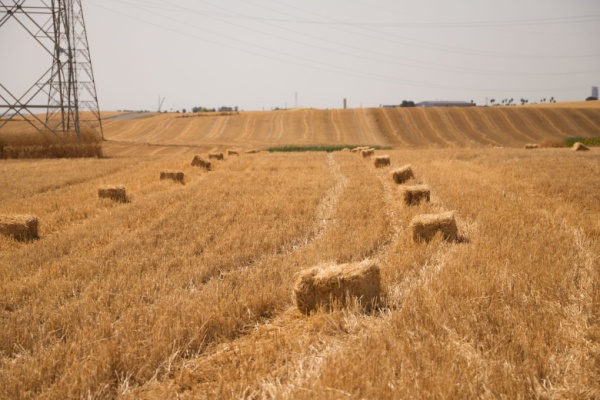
(445, 104)
(595, 91)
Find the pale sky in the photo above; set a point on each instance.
(257, 54)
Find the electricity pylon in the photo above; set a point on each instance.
(67, 90)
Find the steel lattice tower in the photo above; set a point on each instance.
(67, 90)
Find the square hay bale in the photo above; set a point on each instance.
(531, 146)
(412, 195)
(232, 153)
(215, 156)
(381, 161)
(578, 146)
(358, 149)
(202, 163)
(402, 174)
(366, 153)
(115, 193)
(177, 176)
(23, 228)
(424, 227)
(328, 286)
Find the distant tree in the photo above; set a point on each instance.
(407, 103)
(492, 101)
(591, 98)
(184, 111)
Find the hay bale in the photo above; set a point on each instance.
(358, 149)
(176, 176)
(381, 161)
(338, 285)
(232, 153)
(426, 226)
(366, 153)
(531, 146)
(401, 175)
(578, 146)
(215, 156)
(252, 151)
(202, 163)
(115, 193)
(412, 195)
(23, 228)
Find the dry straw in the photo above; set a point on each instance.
(177, 176)
(202, 163)
(531, 146)
(578, 146)
(215, 156)
(424, 227)
(366, 153)
(381, 161)
(402, 174)
(115, 193)
(412, 195)
(20, 227)
(330, 286)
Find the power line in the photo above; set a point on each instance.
(315, 64)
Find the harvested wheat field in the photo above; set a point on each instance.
(186, 291)
(453, 127)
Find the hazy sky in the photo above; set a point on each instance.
(258, 54)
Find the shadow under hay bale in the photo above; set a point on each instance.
(115, 193)
(402, 174)
(216, 156)
(202, 163)
(366, 153)
(177, 176)
(23, 228)
(578, 146)
(381, 161)
(413, 195)
(424, 227)
(232, 153)
(530, 146)
(340, 285)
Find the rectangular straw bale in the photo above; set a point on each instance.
(366, 153)
(23, 228)
(115, 193)
(358, 149)
(381, 161)
(327, 286)
(202, 163)
(215, 156)
(412, 195)
(531, 146)
(402, 174)
(252, 151)
(177, 176)
(424, 227)
(578, 146)
(232, 153)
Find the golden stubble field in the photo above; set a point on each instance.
(185, 291)
(452, 127)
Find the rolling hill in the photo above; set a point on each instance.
(452, 127)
